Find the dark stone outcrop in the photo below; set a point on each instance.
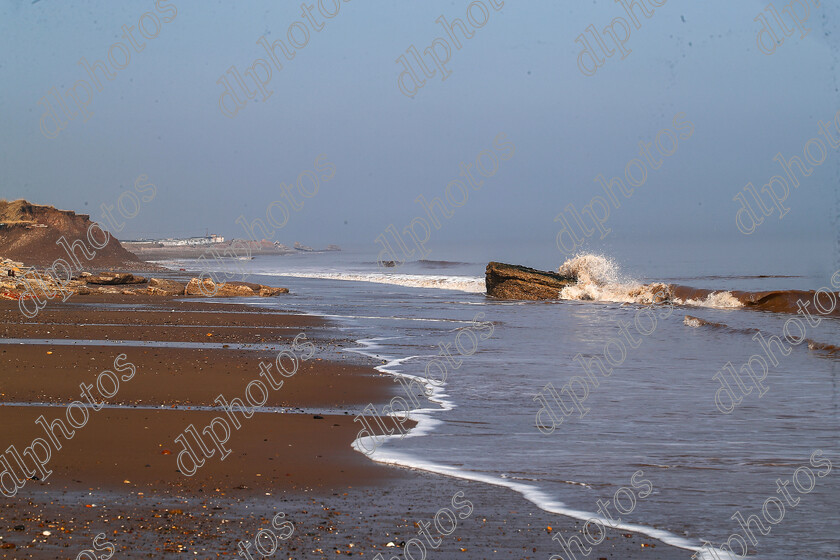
(114, 279)
(508, 281)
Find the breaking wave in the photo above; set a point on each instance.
(441, 264)
(599, 279)
(697, 322)
(718, 300)
(823, 347)
(426, 263)
(469, 284)
(813, 345)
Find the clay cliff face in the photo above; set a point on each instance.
(30, 232)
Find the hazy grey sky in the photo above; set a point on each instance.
(518, 74)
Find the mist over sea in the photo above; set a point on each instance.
(656, 412)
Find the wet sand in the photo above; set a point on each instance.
(183, 376)
(118, 474)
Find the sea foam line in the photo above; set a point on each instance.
(471, 284)
(426, 424)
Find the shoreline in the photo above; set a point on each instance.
(125, 444)
(535, 496)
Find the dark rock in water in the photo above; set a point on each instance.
(268, 291)
(114, 278)
(389, 264)
(508, 281)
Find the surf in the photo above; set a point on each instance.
(599, 278)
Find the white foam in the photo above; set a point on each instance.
(470, 284)
(536, 496)
(591, 269)
(426, 424)
(434, 393)
(599, 279)
(692, 322)
(716, 300)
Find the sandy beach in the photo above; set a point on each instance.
(420, 280)
(118, 473)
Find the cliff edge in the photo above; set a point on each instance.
(31, 233)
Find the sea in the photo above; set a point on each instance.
(706, 461)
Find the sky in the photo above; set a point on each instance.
(339, 99)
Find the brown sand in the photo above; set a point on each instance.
(117, 444)
(270, 453)
(178, 376)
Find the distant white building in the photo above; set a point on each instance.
(192, 241)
